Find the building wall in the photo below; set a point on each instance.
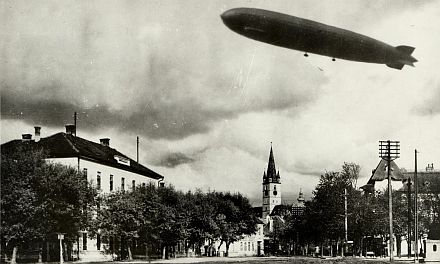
(88, 247)
(248, 246)
(105, 172)
(432, 250)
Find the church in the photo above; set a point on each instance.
(271, 214)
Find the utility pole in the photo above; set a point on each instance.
(389, 151)
(137, 149)
(416, 217)
(74, 121)
(345, 220)
(409, 237)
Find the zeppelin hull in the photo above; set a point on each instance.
(313, 37)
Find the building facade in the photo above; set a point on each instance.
(103, 166)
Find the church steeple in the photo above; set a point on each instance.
(271, 175)
(271, 186)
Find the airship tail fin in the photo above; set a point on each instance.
(406, 49)
(396, 65)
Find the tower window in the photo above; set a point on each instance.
(275, 190)
(266, 192)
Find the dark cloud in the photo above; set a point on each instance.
(147, 70)
(141, 71)
(174, 159)
(302, 168)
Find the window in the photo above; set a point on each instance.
(98, 180)
(122, 183)
(249, 246)
(84, 241)
(111, 182)
(85, 173)
(143, 185)
(275, 190)
(133, 185)
(434, 248)
(241, 246)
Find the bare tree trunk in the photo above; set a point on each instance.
(40, 253)
(130, 256)
(227, 249)
(218, 248)
(331, 248)
(337, 247)
(47, 251)
(163, 252)
(14, 255)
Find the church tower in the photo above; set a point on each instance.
(271, 187)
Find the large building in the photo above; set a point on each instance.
(108, 169)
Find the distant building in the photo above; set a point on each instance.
(108, 169)
(429, 199)
(428, 183)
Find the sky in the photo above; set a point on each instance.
(207, 102)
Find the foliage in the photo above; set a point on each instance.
(39, 199)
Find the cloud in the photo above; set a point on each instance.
(431, 100)
(174, 159)
(140, 72)
(206, 101)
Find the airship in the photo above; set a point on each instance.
(313, 37)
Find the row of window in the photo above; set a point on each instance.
(111, 187)
(246, 246)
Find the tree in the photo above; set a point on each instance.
(41, 198)
(324, 215)
(121, 215)
(235, 218)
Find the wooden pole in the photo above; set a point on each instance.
(390, 204)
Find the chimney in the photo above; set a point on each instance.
(37, 133)
(105, 142)
(26, 137)
(70, 129)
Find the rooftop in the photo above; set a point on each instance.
(62, 145)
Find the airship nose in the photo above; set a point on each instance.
(227, 15)
(231, 18)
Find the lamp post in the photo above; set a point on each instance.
(61, 237)
(389, 151)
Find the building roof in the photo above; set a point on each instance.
(428, 181)
(62, 145)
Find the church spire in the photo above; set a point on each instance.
(272, 175)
